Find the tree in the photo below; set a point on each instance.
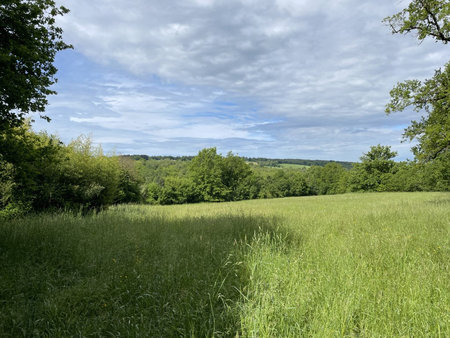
(427, 18)
(433, 97)
(32, 160)
(90, 179)
(129, 182)
(206, 173)
(374, 171)
(6, 182)
(332, 175)
(327, 180)
(29, 41)
(235, 171)
(178, 190)
(379, 157)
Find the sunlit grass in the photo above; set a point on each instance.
(355, 264)
(293, 166)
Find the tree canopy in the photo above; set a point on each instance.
(432, 96)
(375, 170)
(428, 18)
(29, 41)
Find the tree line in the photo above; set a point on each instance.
(40, 173)
(210, 177)
(261, 161)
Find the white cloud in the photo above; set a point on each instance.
(326, 66)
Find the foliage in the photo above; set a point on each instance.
(275, 185)
(425, 17)
(249, 187)
(39, 173)
(406, 176)
(206, 171)
(283, 183)
(178, 190)
(235, 173)
(378, 158)
(433, 97)
(327, 180)
(33, 160)
(9, 208)
(29, 41)
(91, 179)
(435, 175)
(374, 170)
(129, 190)
(286, 163)
(151, 192)
(258, 161)
(298, 186)
(172, 181)
(6, 182)
(154, 170)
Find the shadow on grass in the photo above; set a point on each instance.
(114, 274)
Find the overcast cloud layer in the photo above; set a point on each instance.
(280, 78)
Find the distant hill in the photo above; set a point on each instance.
(283, 162)
(158, 158)
(261, 161)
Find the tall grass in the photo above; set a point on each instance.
(355, 264)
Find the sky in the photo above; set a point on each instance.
(261, 78)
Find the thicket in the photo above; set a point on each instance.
(38, 172)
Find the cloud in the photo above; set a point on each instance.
(280, 78)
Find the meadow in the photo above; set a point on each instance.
(374, 264)
(293, 166)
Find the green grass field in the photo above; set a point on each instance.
(345, 265)
(293, 166)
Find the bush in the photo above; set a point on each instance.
(178, 190)
(129, 190)
(6, 182)
(30, 160)
(151, 193)
(436, 174)
(39, 173)
(90, 180)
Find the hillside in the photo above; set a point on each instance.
(261, 161)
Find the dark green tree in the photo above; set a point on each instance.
(327, 180)
(6, 182)
(206, 173)
(178, 190)
(32, 161)
(433, 97)
(29, 41)
(374, 171)
(235, 172)
(298, 186)
(429, 18)
(129, 182)
(332, 175)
